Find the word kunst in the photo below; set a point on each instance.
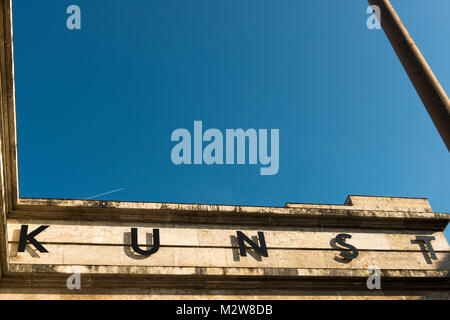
(348, 252)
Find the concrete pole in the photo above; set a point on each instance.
(427, 86)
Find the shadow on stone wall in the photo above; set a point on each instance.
(127, 246)
(15, 246)
(444, 263)
(250, 251)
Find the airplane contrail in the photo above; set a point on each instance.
(104, 194)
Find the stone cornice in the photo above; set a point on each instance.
(98, 277)
(56, 209)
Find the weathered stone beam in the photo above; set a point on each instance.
(114, 211)
(307, 279)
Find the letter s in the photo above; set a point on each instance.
(340, 239)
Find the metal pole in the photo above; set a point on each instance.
(425, 82)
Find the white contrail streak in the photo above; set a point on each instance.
(104, 194)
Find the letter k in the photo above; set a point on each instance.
(24, 237)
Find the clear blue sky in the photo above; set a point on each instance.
(96, 107)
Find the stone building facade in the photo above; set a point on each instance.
(134, 250)
(293, 252)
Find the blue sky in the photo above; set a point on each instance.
(96, 107)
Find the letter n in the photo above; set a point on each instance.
(135, 245)
(261, 249)
(25, 237)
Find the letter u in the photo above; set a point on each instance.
(135, 245)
